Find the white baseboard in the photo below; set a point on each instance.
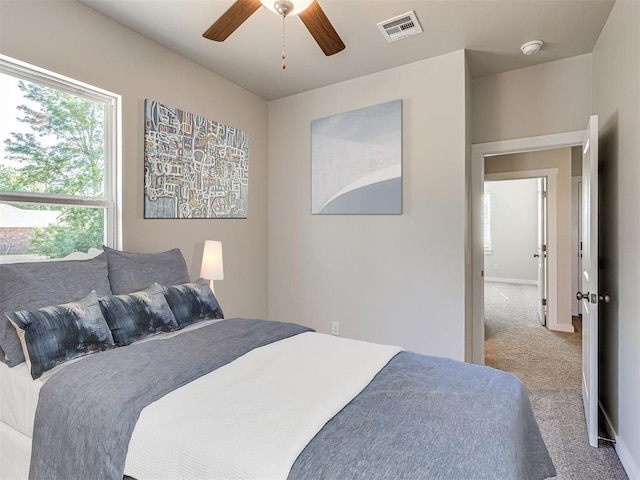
(628, 463)
(511, 280)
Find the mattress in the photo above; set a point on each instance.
(19, 397)
(14, 454)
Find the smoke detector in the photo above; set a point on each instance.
(532, 47)
(402, 26)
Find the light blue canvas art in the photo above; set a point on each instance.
(356, 161)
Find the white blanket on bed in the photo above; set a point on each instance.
(250, 419)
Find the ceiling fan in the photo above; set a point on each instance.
(309, 12)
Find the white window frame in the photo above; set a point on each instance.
(112, 199)
(488, 248)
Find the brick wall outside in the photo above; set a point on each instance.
(15, 240)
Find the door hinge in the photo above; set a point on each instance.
(544, 302)
(544, 248)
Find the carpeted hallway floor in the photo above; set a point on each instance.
(549, 364)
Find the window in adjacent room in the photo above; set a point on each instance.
(58, 164)
(487, 223)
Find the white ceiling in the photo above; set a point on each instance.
(490, 30)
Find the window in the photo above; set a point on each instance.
(58, 164)
(487, 223)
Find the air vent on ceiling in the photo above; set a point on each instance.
(402, 26)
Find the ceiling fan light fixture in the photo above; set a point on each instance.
(287, 7)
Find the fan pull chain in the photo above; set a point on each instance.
(284, 55)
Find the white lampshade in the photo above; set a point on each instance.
(212, 267)
(298, 5)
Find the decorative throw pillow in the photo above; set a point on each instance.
(132, 272)
(137, 315)
(51, 336)
(34, 285)
(192, 302)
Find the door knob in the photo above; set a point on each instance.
(536, 255)
(602, 298)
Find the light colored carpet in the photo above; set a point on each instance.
(549, 364)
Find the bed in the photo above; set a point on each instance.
(207, 397)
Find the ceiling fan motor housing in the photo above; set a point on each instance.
(283, 7)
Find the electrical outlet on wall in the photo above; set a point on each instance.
(335, 328)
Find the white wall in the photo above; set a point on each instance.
(514, 230)
(392, 279)
(548, 98)
(616, 99)
(71, 39)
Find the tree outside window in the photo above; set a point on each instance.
(55, 184)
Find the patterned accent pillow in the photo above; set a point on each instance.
(137, 315)
(132, 272)
(51, 336)
(34, 285)
(192, 302)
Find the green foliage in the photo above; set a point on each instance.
(77, 229)
(9, 178)
(63, 153)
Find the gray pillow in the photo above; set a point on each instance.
(132, 272)
(33, 285)
(137, 315)
(54, 335)
(192, 302)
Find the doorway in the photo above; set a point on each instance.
(516, 243)
(481, 153)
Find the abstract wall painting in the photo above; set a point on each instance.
(356, 161)
(193, 167)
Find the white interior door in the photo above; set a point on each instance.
(541, 253)
(589, 288)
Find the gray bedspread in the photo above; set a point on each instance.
(421, 417)
(431, 418)
(86, 412)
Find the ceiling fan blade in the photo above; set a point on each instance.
(231, 20)
(321, 29)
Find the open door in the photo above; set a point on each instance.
(589, 278)
(541, 253)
